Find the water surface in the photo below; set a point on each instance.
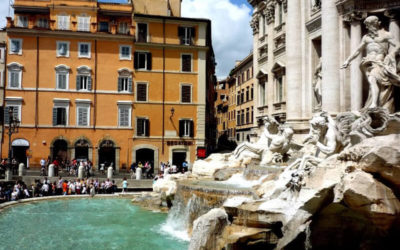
(84, 224)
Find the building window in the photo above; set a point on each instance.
(247, 94)
(62, 77)
(252, 114)
(15, 46)
(84, 50)
(16, 112)
(279, 89)
(83, 23)
(62, 49)
(14, 75)
(242, 117)
(123, 28)
(238, 118)
(22, 21)
(242, 96)
(82, 114)
(142, 127)
(247, 115)
(238, 98)
(124, 84)
(252, 92)
(60, 112)
(141, 92)
(124, 115)
(103, 27)
(186, 60)
(248, 74)
(186, 128)
(125, 52)
(239, 80)
(142, 60)
(63, 22)
(2, 54)
(84, 79)
(43, 23)
(186, 93)
(142, 32)
(262, 94)
(186, 35)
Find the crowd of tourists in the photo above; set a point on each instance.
(40, 188)
(69, 167)
(147, 169)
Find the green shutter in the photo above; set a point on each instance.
(78, 81)
(89, 82)
(54, 116)
(130, 84)
(136, 60)
(191, 132)
(149, 64)
(119, 84)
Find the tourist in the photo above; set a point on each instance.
(59, 188)
(185, 167)
(124, 185)
(92, 190)
(65, 187)
(45, 189)
(162, 167)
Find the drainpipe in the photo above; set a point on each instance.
(95, 86)
(37, 85)
(163, 90)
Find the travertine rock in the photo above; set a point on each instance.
(207, 229)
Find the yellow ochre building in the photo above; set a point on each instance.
(108, 82)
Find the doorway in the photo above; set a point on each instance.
(19, 150)
(145, 154)
(178, 157)
(82, 150)
(60, 150)
(107, 153)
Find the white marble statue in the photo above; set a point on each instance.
(378, 65)
(317, 86)
(269, 145)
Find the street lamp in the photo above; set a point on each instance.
(13, 125)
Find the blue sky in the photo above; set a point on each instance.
(232, 37)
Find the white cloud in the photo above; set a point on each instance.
(231, 33)
(3, 13)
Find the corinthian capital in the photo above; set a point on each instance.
(254, 23)
(354, 16)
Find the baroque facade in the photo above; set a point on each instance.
(318, 37)
(107, 82)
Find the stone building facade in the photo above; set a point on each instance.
(318, 37)
(107, 82)
(3, 50)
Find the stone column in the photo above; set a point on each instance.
(355, 71)
(294, 62)
(330, 57)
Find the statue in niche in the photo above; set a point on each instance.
(271, 147)
(317, 86)
(378, 65)
(315, 5)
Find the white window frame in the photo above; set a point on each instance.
(15, 102)
(82, 104)
(62, 69)
(147, 91)
(147, 31)
(121, 57)
(62, 103)
(68, 48)
(2, 54)
(64, 26)
(191, 62)
(191, 92)
(22, 24)
(145, 58)
(10, 46)
(14, 68)
(187, 123)
(2, 78)
(144, 127)
(84, 71)
(89, 49)
(82, 21)
(187, 40)
(124, 105)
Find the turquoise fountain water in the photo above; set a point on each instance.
(85, 224)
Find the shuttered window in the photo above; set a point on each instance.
(186, 35)
(186, 63)
(125, 52)
(63, 49)
(125, 84)
(22, 21)
(83, 82)
(63, 22)
(186, 95)
(123, 28)
(15, 113)
(83, 23)
(124, 116)
(84, 50)
(14, 81)
(141, 92)
(61, 80)
(83, 116)
(142, 60)
(15, 46)
(142, 127)
(59, 116)
(186, 128)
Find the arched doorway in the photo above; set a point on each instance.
(107, 153)
(19, 148)
(145, 154)
(60, 150)
(178, 157)
(82, 150)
